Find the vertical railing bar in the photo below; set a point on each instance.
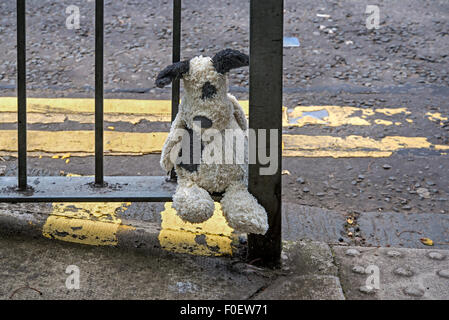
(21, 95)
(265, 110)
(176, 54)
(99, 102)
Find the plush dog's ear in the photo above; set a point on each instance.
(172, 72)
(228, 59)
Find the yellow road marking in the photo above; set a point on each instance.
(81, 143)
(384, 122)
(86, 223)
(335, 116)
(435, 117)
(351, 146)
(212, 237)
(81, 110)
(87, 105)
(392, 111)
(33, 118)
(58, 110)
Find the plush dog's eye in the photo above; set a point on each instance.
(208, 91)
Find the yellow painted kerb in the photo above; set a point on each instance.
(86, 223)
(212, 237)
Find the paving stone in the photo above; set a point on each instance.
(311, 274)
(308, 257)
(304, 222)
(310, 287)
(407, 274)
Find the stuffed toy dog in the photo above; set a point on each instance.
(207, 107)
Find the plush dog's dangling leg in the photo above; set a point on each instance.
(192, 203)
(242, 211)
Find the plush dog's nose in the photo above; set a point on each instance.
(205, 122)
(208, 91)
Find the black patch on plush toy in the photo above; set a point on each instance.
(191, 166)
(172, 72)
(208, 91)
(205, 122)
(228, 59)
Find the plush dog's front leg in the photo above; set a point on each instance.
(192, 203)
(242, 211)
(169, 154)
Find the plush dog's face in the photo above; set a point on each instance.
(205, 85)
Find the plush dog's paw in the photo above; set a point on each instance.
(193, 204)
(242, 211)
(253, 222)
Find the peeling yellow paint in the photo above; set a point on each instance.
(436, 117)
(335, 116)
(81, 231)
(392, 111)
(330, 115)
(87, 106)
(352, 146)
(86, 223)
(212, 237)
(33, 118)
(383, 122)
(76, 142)
(337, 154)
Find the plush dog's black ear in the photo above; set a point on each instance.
(172, 72)
(228, 59)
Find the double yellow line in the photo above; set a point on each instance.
(81, 143)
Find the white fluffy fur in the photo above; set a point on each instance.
(192, 199)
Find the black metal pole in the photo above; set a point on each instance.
(265, 109)
(21, 95)
(99, 35)
(176, 54)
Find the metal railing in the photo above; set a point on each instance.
(265, 112)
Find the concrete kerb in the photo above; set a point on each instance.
(130, 233)
(30, 220)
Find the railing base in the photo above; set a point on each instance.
(83, 189)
